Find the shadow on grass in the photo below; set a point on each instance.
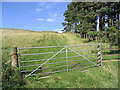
(111, 52)
(88, 41)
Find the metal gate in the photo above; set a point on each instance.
(43, 61)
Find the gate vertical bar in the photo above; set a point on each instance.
(19, 59)
(100, 56)
(67, 58)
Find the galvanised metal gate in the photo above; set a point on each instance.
(43, 61)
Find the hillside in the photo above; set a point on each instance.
(97, 77)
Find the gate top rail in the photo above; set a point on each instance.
(55, 52)
(57, 46)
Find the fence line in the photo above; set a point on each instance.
(110, 49)
(104, 55)
(111, 55)
(68, 51)
(86, 60)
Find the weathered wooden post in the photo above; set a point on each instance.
(14, 57)
(99, 56)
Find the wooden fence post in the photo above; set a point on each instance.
(14, 57)
(99, 58)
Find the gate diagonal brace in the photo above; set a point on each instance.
(81, 55)
(44, 62)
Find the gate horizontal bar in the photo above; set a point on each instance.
(83, 67)
(56, 52)
(43, 69)
(64, 61)
(57, 46)
(46, 59)
(82, 45)
(41, 47)
(61, 70)
(50, 63)
(56, 58)
(56, 67)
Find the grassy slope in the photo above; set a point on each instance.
(105, 76)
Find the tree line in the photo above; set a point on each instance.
(96, 20)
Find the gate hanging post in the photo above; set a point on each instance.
(99, 56)
(14, 57)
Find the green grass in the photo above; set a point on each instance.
(97, 77)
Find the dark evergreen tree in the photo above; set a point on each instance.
(81, 17)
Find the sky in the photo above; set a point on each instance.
(36, 16)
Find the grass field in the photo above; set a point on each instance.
(97, 77)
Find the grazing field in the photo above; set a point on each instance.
(96, 77)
